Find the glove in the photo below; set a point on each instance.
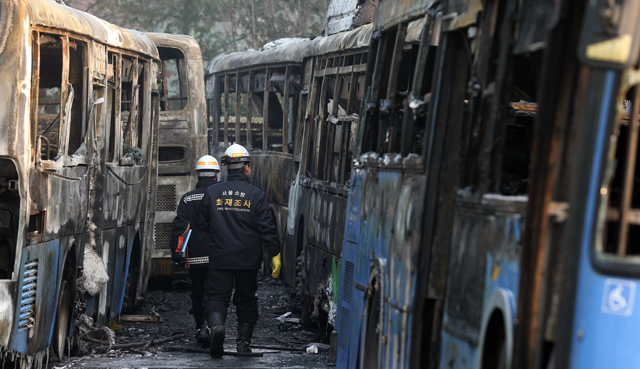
(276, 263)
(177, 258)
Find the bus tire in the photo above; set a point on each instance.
(61, 330)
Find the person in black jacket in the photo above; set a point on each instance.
(196, 253)
(238, 218)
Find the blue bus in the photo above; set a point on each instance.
(446, 215)
(578, 285)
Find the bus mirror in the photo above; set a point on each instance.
(608, 37)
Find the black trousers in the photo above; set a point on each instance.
(198, 292)
(220, 284)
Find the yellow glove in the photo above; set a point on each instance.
(276, 263)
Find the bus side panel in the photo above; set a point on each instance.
(350, 299)
(457, 353)
(484, 262)
(37, 338)
(402, 268)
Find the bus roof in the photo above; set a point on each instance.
(288, 53)
(294, 53)
(47, 13)
(390, 12)
(184, 42)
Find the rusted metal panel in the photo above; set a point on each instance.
(390, 13)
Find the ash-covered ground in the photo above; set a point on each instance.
(282, 344)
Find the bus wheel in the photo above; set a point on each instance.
(61, 329)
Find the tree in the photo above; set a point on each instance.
(218, 25)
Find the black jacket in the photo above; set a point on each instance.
(188, 211)
(238, 218)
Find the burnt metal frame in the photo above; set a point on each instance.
(118, 144)
(320, 130)
(538, 275)
(265, 103)
(183, 80)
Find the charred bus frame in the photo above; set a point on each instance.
(580, 262)
(78, 185)
(331, 98)
(249, 103)
(434, 238)
(383, 238)
(182, 137)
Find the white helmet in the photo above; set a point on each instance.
(235, 156)
(208, 165)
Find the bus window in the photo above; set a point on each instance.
(113, 104)
(61, 82)
(231, 108)
(49, 94)
(293, 108)
(255, 116)
(386, 131)
(131, 105)
(77, 76)
(222, 115)
(139, 97)
(337, 111)
(622, 194)
(174, 80)
(351, 134)
(242, 107)
(276, 111)
(518, 134)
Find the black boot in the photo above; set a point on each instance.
(202, 334)
(216, 331)
(243, 342)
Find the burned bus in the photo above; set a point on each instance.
(249, 102)
(182, 137)
(431, 256)
(386, 219)
(332, 97)
(77, 172)
(491, 220)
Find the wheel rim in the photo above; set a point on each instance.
(62, 321)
